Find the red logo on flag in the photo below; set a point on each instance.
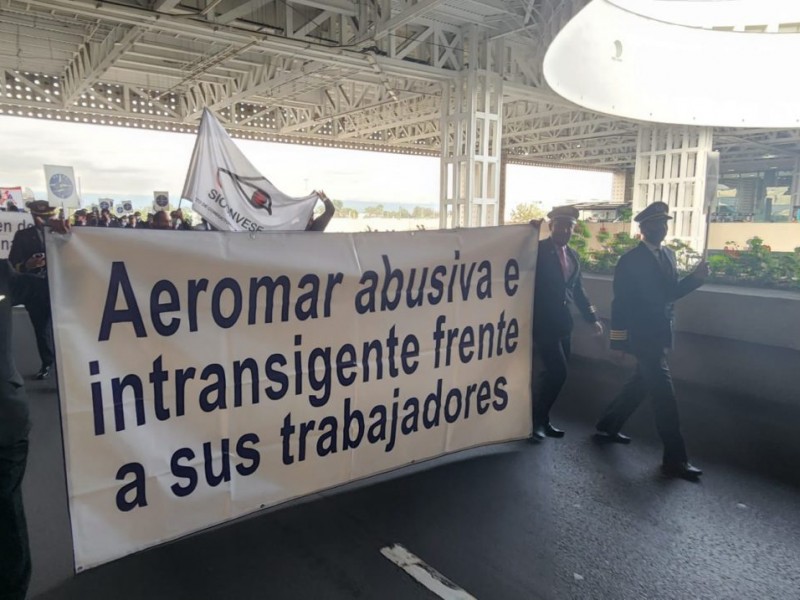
(258, 198)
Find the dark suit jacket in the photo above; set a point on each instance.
(17, 289)
(644, 297)
(26, 243)
(553, 296)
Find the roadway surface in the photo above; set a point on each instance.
(566, 519)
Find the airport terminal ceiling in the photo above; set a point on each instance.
(366, 74)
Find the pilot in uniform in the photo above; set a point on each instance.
(646, 286)
(558, 286)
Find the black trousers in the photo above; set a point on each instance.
(15, 557)
(554, 355)
(39, 312)
(652, 377)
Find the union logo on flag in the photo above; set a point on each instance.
(258, 198)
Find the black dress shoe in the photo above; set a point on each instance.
(684, 470)
(43, 373)
(611, 438)
(552, 432)
(538, 434)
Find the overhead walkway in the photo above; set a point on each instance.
(563, 520)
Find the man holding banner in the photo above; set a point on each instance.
(27, 256)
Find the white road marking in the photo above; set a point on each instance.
(425, 574)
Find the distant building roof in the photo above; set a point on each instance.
(601, 205)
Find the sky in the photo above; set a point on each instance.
(115, 161)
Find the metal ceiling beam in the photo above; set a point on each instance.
(92, 60)
(165, 5)
(325, 118)
(184, 61)
(420, 9)
(242, 10)
(603, 135)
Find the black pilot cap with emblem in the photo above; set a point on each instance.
(569, 213)
(41, 208)
(655, 211)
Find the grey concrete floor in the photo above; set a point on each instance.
(562, 520)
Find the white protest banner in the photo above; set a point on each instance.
(252, 369)
(228, 191)
(61, 188)
(10, 224)
(13, 195)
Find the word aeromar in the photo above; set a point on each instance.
(267, 298)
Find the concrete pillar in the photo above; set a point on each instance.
(501, 203)
(471, 130)
(618, 187)
(671, 167)
(622, 186)
(795, 190)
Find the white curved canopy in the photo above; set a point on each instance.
(659, 61)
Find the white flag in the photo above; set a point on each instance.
(231, 194)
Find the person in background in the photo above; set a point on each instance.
(646, 286)
(79, 218)
(203, 225)
(178, 220)
(27, 256)
(161, 220)
(558, 286)
(321, 222)
(15, 556)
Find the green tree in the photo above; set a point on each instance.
(580, 242)
(423, 212)
(374, 211)
(525, 213)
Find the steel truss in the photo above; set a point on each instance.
(367, 74)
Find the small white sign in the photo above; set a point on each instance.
(61, 187)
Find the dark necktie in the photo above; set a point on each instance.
(664, 263)
(562, 258)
